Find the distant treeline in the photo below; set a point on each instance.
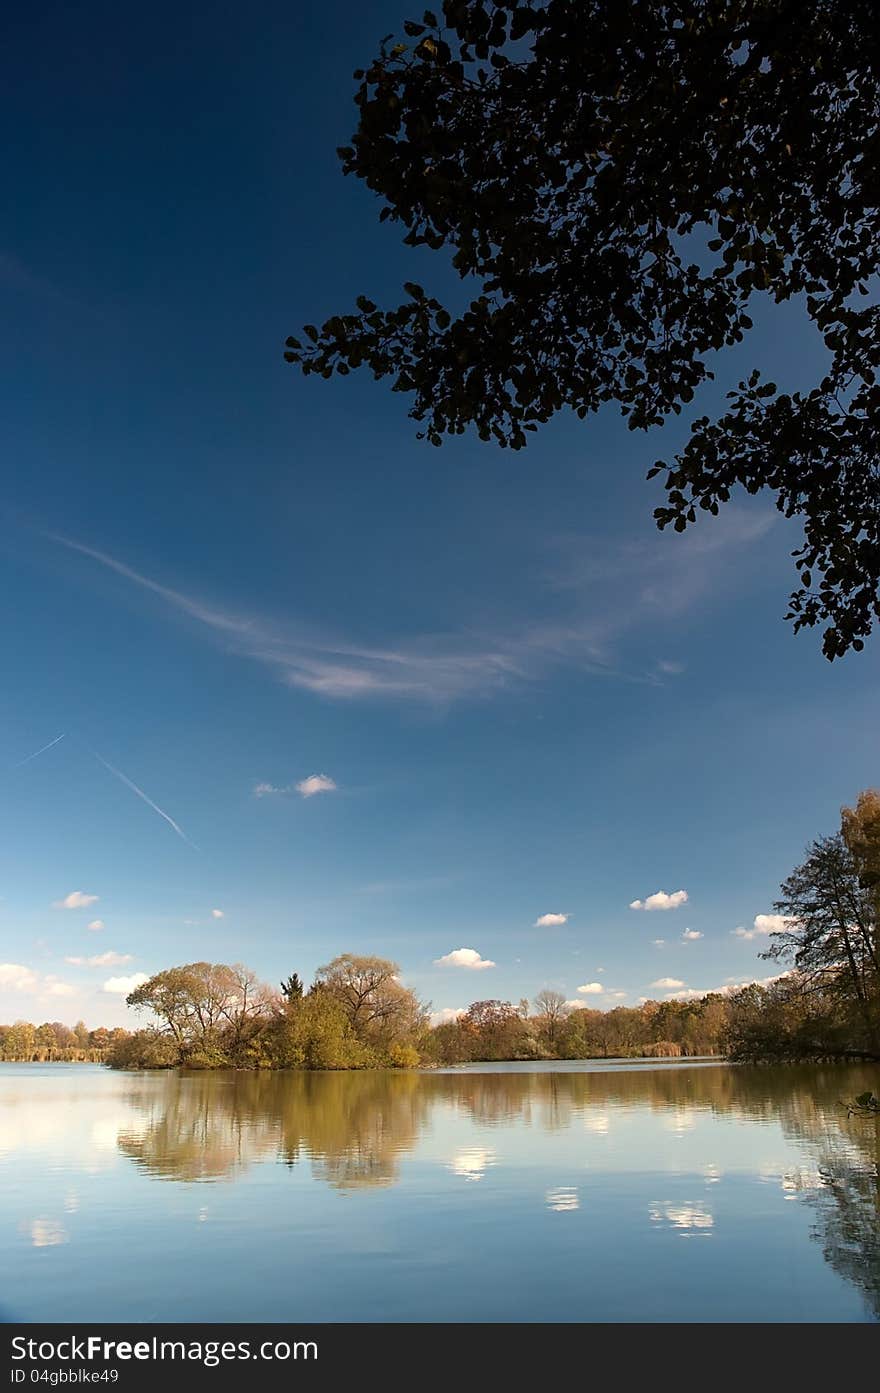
(23, 1042)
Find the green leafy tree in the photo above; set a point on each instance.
(615, 181)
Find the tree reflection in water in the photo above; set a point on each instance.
(353, 1128)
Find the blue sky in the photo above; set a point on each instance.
(217, 575)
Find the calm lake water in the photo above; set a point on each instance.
(595, 1191)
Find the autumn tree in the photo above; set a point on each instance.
(860, 828)
(551, 1009)
(494, 1030)
(615, 181)
(377, 1004)
(205, 1007)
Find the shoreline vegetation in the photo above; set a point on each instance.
(357, 1014)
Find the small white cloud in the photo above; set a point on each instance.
(110, 959)
(661, 900)
(691, 935)
(551, 921)
(669, 667)
(52, 987)
(765, 924)
(658, 942)
(217, 913)
(616, 996)
(464, 957)
(446, 1015)
(95, 926)
(17, 978)
(75, 900)
(121, 986)
(669, 982)
(591, 989)
(315, 783)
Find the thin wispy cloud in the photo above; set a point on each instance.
(306, 788)
(129, 783)
(109, 959)
(658, 580)
(218, 914)
(95, 926)
(41, 751)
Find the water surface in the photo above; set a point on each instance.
(597, 1191)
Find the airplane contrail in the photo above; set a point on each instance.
(140, 793)
(41, 751)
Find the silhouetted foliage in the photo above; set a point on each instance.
(615, 180)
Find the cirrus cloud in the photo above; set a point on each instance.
(661, 900)
(464, 957)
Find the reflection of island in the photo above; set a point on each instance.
(353, 1128)
(208, 1126)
